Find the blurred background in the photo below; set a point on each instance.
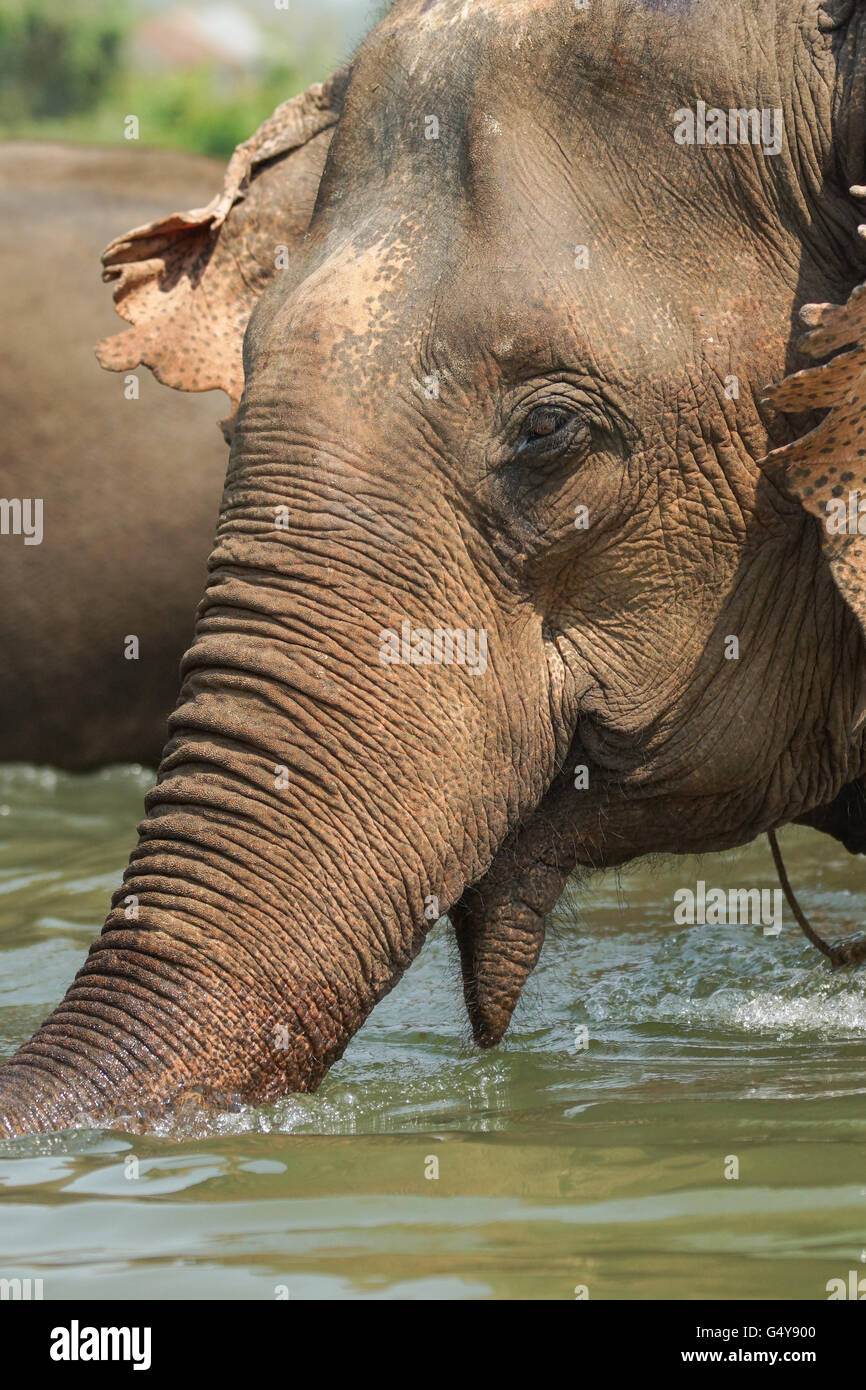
(200, 76)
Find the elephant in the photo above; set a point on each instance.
(523, 565)
(126, 483)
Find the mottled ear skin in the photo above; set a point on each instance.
(825, 470)
(188, 283)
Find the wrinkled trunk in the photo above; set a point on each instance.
(315, 812)
(264, 933)
(247, 970)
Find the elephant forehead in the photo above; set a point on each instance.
(350, 291)
(501, 103)
(427, 14)
(456, 14)
(416, 34)
(355, 319)
(417, 66)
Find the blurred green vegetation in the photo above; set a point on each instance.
(65, 74)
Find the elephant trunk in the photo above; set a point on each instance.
(296, 838)
(219, 991)
(225, 971)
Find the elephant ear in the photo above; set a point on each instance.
(826, 468)
(188, 283)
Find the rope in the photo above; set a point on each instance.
(851, 951)
(802, 920)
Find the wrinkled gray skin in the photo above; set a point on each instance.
(130, 488)
(272, 918)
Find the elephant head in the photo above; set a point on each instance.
(501, 585)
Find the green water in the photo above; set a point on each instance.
(558, 1166)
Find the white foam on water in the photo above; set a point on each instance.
(708, 980)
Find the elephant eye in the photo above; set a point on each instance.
(545, 422)
(552, 428)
